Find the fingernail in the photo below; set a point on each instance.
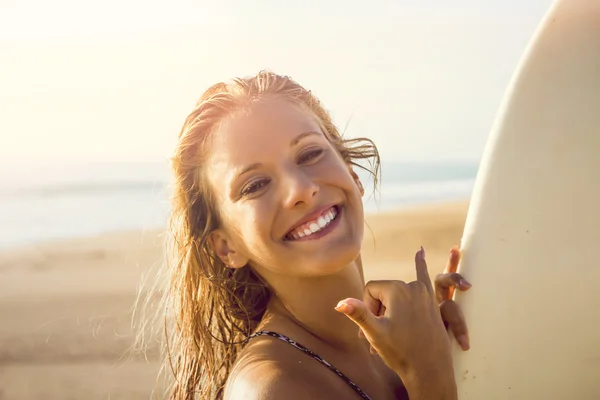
(464, 283)
(343, 308)
(421, 253)
(463, 340)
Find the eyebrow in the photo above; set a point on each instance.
(293, 143)
(301, 136)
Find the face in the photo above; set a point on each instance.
(289, 204)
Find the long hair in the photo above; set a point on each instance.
(208, 308)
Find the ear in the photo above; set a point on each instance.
(225, 250)
(357, 180)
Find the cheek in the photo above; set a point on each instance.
(334, 166)
(253, 221)
(344, 179)
(255, 235)
(234, 222)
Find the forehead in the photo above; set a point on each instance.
(270, 118)
(256, 135)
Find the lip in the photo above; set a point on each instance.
(311, 216)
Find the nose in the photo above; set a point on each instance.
(299, 189)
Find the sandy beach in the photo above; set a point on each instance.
(65, 306)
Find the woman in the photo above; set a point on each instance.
(266, 281)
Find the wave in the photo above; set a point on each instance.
(402, 194)
(104, 188)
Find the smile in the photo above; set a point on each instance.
(317, 227)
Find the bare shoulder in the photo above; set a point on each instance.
(270, 369)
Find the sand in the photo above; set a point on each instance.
(65, 306)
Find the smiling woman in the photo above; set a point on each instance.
(267, 227)
(297, 174)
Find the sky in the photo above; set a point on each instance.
(114, 80)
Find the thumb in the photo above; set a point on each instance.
(358, 312)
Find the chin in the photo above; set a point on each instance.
(331, 262)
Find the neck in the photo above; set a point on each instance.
(310, 302)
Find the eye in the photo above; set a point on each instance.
(254, 186)
(310, 155)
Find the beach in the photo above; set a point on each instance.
(66, 305)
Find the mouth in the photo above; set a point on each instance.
(318, 227)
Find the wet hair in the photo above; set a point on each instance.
(209, 308)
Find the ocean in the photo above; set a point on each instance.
(72, 200)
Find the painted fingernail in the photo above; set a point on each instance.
(421, 253)
(463, 340)
(464, 283)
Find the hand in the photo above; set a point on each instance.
(444, 289)
(402, 323)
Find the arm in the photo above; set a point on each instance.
(433, 384)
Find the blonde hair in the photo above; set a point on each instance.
(210, 309)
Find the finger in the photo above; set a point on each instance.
(358, 312)
(453, 260)
(451, 267)
(455, 320)
(377, 295)
(445, 282)
(361, 334)
(422, 273)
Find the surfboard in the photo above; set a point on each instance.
(531, 241)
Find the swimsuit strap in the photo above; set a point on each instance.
(308, 352)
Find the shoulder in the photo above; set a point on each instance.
(271, 369)
(266, 380)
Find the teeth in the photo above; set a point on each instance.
(316, 226)
(321, 222)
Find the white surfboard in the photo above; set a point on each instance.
(531, 243)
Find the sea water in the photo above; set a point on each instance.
(54, 201)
